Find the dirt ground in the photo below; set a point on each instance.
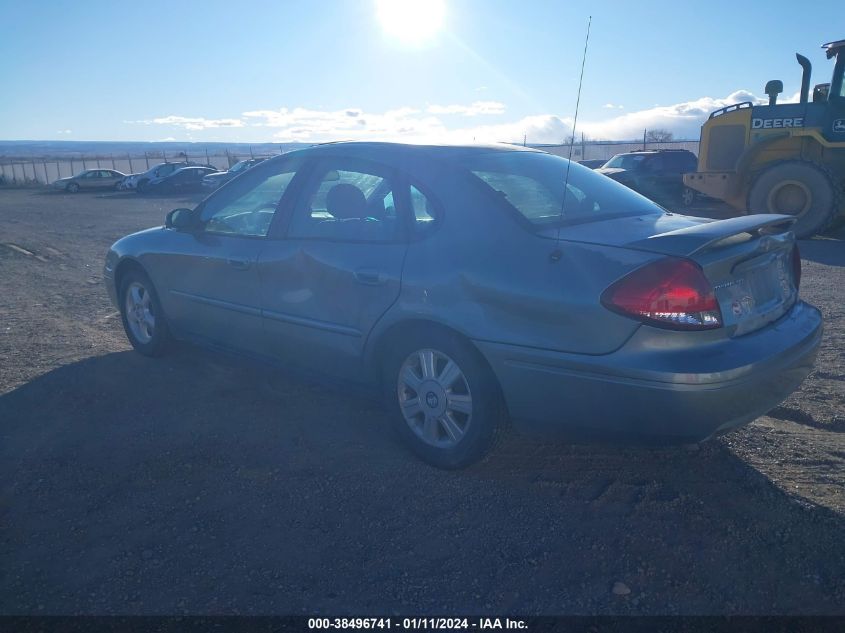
(199, 484)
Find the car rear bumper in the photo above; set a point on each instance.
(654, 390)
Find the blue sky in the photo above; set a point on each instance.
(322, 70)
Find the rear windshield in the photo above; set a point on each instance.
(626, 161)
(533, 184)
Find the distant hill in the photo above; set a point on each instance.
(104, 149)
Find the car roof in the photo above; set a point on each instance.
(378, 149)
(652, 151)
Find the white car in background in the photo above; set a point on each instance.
(133, 181)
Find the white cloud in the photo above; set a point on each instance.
(192, 123)
(613, 106)
(302, 124)
(64, 131)
(474, 109)
(683, 119)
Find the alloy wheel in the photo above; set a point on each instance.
(140, 313)
(434, 398)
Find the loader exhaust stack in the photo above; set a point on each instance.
(805, 77)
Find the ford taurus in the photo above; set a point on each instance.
(478, 285)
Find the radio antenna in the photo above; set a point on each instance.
(556, 254)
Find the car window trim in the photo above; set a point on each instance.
(414, 235)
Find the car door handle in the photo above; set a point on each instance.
(370, 277)
(239, 264)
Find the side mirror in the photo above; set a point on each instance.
(180, 219)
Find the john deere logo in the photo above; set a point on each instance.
(839, 125)
(768, 124)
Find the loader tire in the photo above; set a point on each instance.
(799, 188)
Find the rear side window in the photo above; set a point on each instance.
(346, 201)
(532, 184)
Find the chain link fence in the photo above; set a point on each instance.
(46, 170)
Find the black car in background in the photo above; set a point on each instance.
(657, 174)
(220, 178)
(186, 179)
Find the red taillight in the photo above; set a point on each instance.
(796, 266)
(670, 292)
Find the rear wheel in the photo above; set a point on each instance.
(445, 401)
(688, 197)
(796, 188)
(142, 315)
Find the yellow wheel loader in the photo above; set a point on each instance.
(780, 158)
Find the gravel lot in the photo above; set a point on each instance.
(198, 484)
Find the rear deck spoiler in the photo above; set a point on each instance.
(701, 237)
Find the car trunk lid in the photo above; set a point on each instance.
(747, 259)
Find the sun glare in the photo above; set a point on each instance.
(411, 21)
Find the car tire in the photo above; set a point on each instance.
(444, 400)
(142, 315)
(798, 188)
(141, 187)
(72, 187)
(688, 197)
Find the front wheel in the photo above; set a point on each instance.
(142, 315)
(796, 188)
(445, 400)
(688, 197)
(73, 187)
(142, 186)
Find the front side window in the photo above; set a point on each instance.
(532, 183)
(248, 206)
(346, 202)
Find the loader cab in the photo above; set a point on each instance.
(837, 83)
(834, 125)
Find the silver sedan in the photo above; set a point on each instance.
(90, 179)
(476, 285)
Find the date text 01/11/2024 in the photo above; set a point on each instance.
(437, 624)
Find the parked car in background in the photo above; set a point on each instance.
(140, 180)
(220, 178)
(593, 163)
(183, 180)
(91, 179)
(658, 174)
(470, 283)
